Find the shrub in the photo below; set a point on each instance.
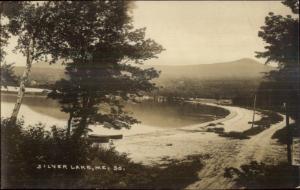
(263, 176)
(234, 135)
(211, 124)
(254, 131)
(282, 134)
(216, 130)
(265, 122)
(25, 149)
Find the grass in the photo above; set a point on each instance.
(281, 134)
(234, 135)
(257, 175)
(176, 174)
(26, 148)
(254, 130)
(211, 124)
(269, 118)
(219, 130)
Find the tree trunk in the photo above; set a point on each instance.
(254, 104)
(83, 121)
(69, 124)
(81, 127)
(24, 79)
(289, 137)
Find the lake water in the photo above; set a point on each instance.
(150, 113)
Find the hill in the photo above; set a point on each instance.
(43, 73)
(204, 80)
(220, 80)
(240, 69)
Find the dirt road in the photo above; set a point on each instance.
(153, 148)
(236, 153)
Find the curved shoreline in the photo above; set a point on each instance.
(152, 146)
(231, 115)
(39, 117)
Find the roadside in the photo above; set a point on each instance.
(158, 147)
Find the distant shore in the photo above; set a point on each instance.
(28, 91)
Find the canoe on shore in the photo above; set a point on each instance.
(103, 138)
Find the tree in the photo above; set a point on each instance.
(103, 54)
(281, 33)
(26, 20)
(4, 35)
(8, 76)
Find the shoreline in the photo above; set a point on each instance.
(152, 146)
(37, 117)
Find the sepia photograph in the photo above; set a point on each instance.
(119, 94)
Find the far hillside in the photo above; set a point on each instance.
(43, 73)
(240, 69)
(218, 80)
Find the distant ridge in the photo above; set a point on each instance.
(245, 68)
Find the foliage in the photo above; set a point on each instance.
(263, 176)
(281, 33)
(272, 94)
(23, 149)
(234, 135)
(282, 134)
(244, 100)
(8, 76)
(3, 38)
(269, 118)
(293, 4)
(219, 130)
(103, 52)
(27, 21)
(217, 89)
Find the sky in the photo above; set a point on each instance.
(198, 32)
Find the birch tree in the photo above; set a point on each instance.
(26, 21)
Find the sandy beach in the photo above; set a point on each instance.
(150, 145)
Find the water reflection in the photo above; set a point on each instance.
(39, 104)
(173, 114)
(165, 114)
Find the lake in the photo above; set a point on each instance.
(150, 113)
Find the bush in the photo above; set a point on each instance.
(269, 119)
(282, 134)
(216, 130)
(234, 135)
(211, 124)
(254, 131)
(262, 176)
(265, 122)
(23, 151)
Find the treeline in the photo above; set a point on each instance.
(217, 89)
(271, 95)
